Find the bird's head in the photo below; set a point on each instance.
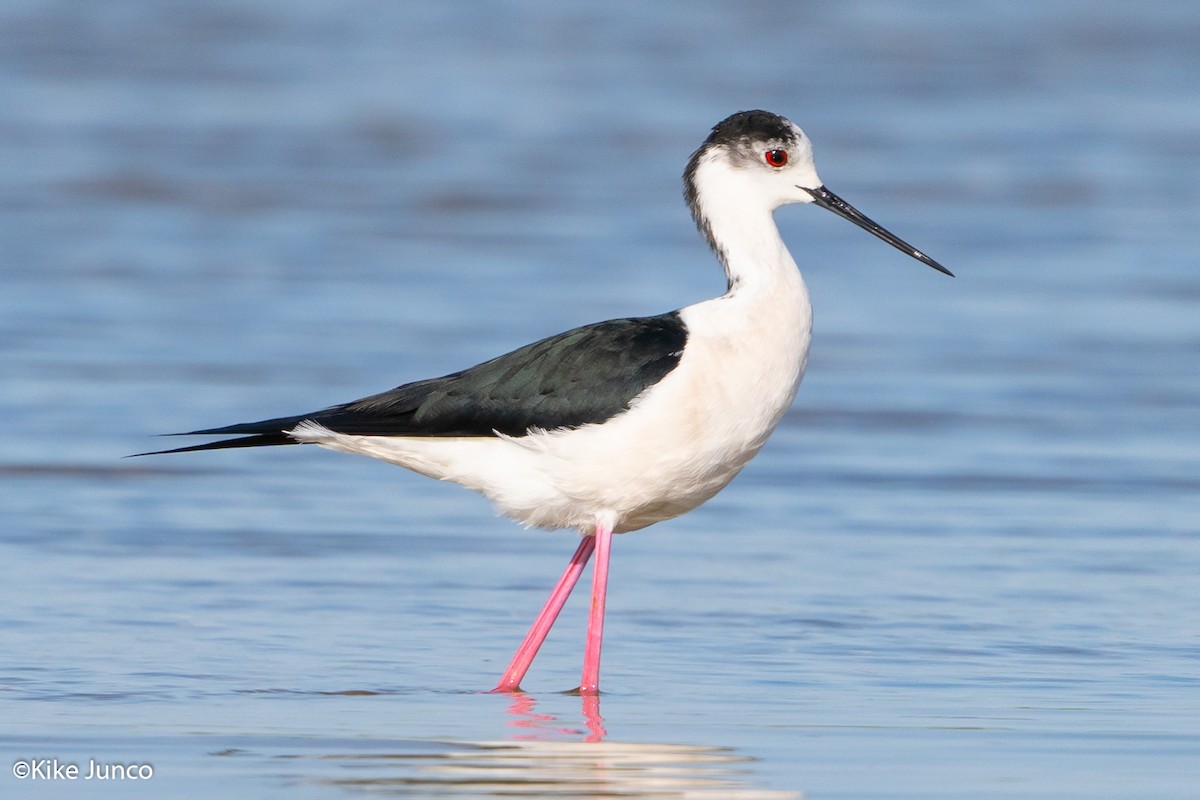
(760, 160)
(755, 155)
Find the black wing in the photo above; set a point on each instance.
(585, 375)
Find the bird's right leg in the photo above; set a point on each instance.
(511, 680)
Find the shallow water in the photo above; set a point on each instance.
(964, 566)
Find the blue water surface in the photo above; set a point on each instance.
(965, 566)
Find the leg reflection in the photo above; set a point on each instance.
(592, 718)
(536, 726)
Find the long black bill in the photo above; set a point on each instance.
(827, 199)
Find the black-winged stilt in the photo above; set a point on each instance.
(614, 426)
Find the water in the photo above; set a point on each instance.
(964, 567)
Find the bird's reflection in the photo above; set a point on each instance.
(539, 726)
(547, 758)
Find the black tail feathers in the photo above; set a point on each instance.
(267, 433)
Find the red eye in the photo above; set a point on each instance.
(776, 158)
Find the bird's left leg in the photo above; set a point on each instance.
(590, 682)
(511, 680)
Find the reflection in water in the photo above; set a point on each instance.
(541, 724)
(556, 769)
(535, 765)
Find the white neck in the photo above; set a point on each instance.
(741, 229)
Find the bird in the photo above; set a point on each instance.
(611, 427)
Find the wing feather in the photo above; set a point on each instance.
(585, 375)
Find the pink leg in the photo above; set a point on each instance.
(590, 683)
(511, 680)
